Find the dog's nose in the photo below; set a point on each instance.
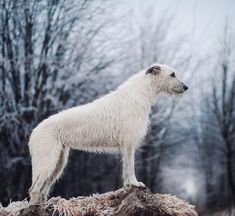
(185, 87)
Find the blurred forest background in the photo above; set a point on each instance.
(56, 54)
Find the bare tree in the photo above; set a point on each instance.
(50, 53)
(218, 129)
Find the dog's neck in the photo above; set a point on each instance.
(139, 87)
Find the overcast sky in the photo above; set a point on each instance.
(202, 19)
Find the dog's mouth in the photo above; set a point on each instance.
(177, 91)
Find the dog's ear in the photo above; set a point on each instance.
(153, 70)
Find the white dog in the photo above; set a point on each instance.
(117, 121)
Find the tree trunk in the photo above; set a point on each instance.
(129, 201)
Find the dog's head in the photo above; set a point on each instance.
(164, 79)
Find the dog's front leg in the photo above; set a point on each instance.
(128, 160)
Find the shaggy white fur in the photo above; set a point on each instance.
(117, 121)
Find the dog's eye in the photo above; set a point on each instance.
(172, 74)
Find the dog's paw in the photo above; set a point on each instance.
(135, 184)
(138, 184)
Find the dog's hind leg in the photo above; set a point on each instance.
(61, 163)
(48, 161)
